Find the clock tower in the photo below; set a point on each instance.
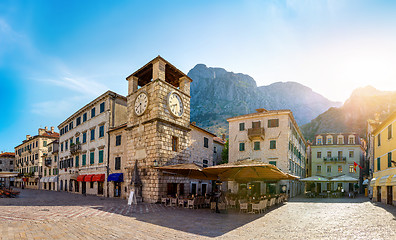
(158, 131)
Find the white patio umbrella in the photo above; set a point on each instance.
(314, 179)
(344, 178)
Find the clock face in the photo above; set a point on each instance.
(175, 104)
(141, 103)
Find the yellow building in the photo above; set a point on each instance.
(384, 176)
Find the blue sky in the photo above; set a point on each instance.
(55, 56)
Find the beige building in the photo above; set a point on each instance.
(334, 155)
(29, 157)
(51, 168)
(83, 155)
(271, 137)
(218, 146)
(7, 160)
(117, 162)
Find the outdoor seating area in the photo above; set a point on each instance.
(8, 193)
(230, 202)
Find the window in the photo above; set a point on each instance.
(329, 154)
(66, 142)
(351, 140)
(77, 161)
(61, 147)
(351, 153)
(84, 117)
(84, 137)
(241, 147)
(78, 121)
(319, 155)
(256, 146)
(319, 141)
(256, 124)
(214, 149)
(351, 170)
(91, 184)
(205, 163)
(378, 164)
(318, 169)
(241, 126)
(206, 142)
(329, 140)
(45, 172)
(102, 107)
(273, 144)
(91, 158)
(100, 156)
(273, 123)
(329, 169)
(174, 143)
(340, 155)
(117, 163)
(272, 162)
(101, 131)
(92, 112)
(339, 168)
(92, 134)
(66, 129)
(44, 143)
(77, 140)
(118, 140)
(84, 160)
(71, 125)
(71, 141)
(340, 140)
(389, 159)
(390, 131)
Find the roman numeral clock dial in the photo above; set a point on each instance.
(175, 104)
(141, 103)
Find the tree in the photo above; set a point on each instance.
(224, 153)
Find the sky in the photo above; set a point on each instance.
(56, 56)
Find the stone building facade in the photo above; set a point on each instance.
(159, 133)
(51, 168)
(84, 146)
(271, 137)
(29, 157)
(334, 155)
(218, 146)
(7, 161)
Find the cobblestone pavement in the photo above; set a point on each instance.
(58, 215)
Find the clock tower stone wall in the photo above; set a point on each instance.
(149, 136)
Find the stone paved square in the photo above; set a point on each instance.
(40, 214)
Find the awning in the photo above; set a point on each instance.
(385, 180)
(115, 177)
(365, 182)
(314, 179)
(344, 178)
(53, 179)
(373, 182)
(8, 174)
(98, 178)
(25, 179)
(190, 170)
(88, 178)
(42, 179)
(46, 179)
(80, 178)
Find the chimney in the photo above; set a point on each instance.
(52, 129)
(46, 128)
(27, 137)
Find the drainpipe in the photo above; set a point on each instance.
(113, 98)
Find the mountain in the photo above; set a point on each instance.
(217, 94)
(363, 104)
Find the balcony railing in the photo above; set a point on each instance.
(75, 148)
(48, 162)
(256, 133)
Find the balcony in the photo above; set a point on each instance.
(48, 162)
(341, 159)
(254, 133)
(75, 148)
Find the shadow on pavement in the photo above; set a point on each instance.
(357, 199)
(389, 208)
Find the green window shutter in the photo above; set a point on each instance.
(84, 159)
(256, 145)
(241, 126)
(273, 144)
(389, 159)
(272, 162)
(92, 158)
(77, 161)
(101, 156)
(378, 164)
(241, 146)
